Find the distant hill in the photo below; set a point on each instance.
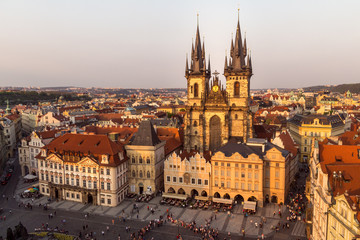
(342, 88)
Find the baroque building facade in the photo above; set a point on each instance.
(83, 168)
(215, 114)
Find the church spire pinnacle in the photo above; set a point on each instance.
(198, 56)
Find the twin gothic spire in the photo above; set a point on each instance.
(237, 62)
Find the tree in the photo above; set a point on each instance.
(9, 234)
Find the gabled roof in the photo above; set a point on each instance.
(146, 135)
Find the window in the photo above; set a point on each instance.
(107, 171)
(222, 173)
(236, 116)
(249, 166)
(102, 185)
(196, 90)
(83, 169)
(237, 185)
(206, 182)
(52, 178)
(305, 142)
(242, 165)
(256, 187)
(267, 173)
(228, 164)
(133, 173)
(47, 177)
(84, 183)
(95, 184)
(148, 174)
(236, 174)
(168, 178)
(267, 183)
(249, 175)
(67, 194)
(72, 195)
(277, 165)
(249, 186)
(216, 163)
(89, 184)
(132, 159)
(94, 170)
(102, 171)
(256, 166)
(242, 174)
(222, 184)
(140, 159)
(236, 165)
(228, 173)
(102, 200)
(256, 175)
(193, 180)
(148, 160)
(216, 183)
(109, 201)
(277, 174)
(174, 179)
(222, 164)
(199, 181)
(67, 181)
(59, 166)
(216, 172)
(72, 168)
(236, 89)
(305, 149)
(77, 196)
(77, 182)
(277, 185)
(180, 179)
(243, 186)
(51, 165)
(140, 174)
(108, 186)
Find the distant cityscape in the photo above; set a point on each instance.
(214, 160)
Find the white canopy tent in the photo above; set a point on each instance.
(222, 200)
(249, 205)
(30, 177)
(175, 196)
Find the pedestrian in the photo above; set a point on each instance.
(102, 233)
(262, 236)
(55, 213)
(137, 216)
(148, 207)
(119, 237)
(107, 228)
(113, 222)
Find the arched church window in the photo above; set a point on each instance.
(195, 132)
(195, 123)
(196, 90)
(140, 174)
(191, 89)
(133, 173)
(133, 159)
(140, 159)
(148, 174)
(236, 89)
(148, 160)
(236, 116)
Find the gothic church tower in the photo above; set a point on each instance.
(214, 114)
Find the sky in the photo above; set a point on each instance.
(143, 44)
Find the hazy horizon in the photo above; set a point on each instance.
(143, 44)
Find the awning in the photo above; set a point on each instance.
(175, 196)
(30, 177)
(222, 200)
(249, 205)
(201, 198)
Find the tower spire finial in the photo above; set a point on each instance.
(197, 19)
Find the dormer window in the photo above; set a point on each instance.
(43, 153)
(104, 159)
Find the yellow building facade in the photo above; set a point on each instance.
(343, 222)
(307, 128)
(255, 171)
